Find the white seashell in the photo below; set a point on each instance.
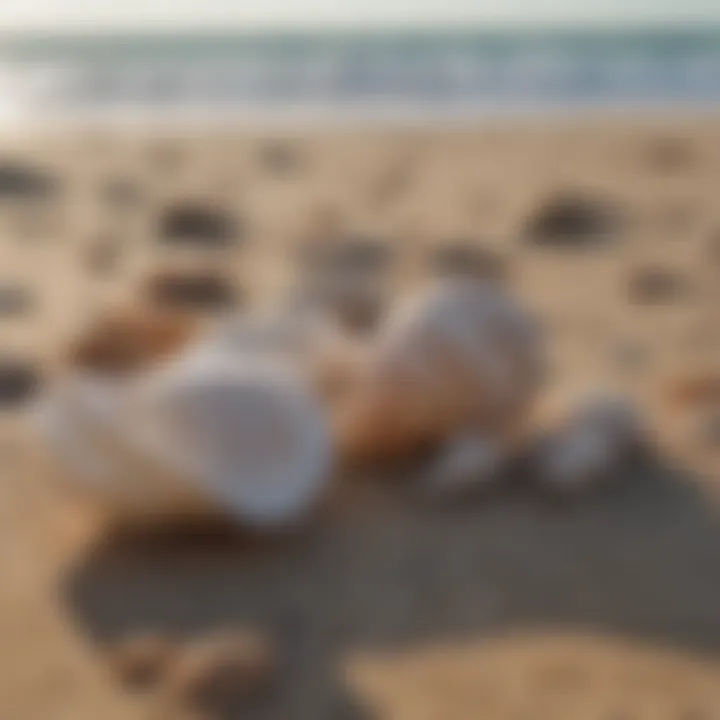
(462, 357)
(238, 434)
(590, 444)
(250, 435)
(468, 461)
(84, 421)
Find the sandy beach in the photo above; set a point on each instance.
(510, 605)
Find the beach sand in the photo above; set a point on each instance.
(510, 605)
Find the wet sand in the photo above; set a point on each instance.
(507, 605)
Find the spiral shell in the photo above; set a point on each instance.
(214, 429)
(460, 357)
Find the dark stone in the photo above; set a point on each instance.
(657, 285)
(15, 300)
(19, 181)
(192, 291)
(194, 224)
(464, 258)
(572, 220)
(19, 380)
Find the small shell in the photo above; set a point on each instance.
(590, 445)
(462, 357)
(467, 462)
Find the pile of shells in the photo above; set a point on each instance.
(161, 416)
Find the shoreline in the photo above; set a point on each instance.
(352, 120)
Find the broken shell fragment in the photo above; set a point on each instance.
(590, 446)
(467, 462)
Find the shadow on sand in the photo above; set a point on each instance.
(382, 571)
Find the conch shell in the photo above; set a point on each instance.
(214, 428)
(460, 357)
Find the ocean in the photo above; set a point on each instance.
(440, 74)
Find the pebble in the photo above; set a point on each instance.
(15, 300)
(589, 446)
(572, 220)
(192, 291)
(198, 224)
(19, 381)
(655, 285)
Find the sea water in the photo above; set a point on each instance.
(424, 74)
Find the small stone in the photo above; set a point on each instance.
(15, 300)
(141, 661)
(655, 285)
(222, 672)
(19, 380)
(467, 462)
(22, 181)
(590, 445)
(194, 224)
(192, 291)
(571, 220)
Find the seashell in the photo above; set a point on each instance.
(129, 340)
(84, 423)
(592, 443)
(466, 462)
(250, 435)
(211, 430)
(461, 357)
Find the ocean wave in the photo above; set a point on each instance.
(441, 75)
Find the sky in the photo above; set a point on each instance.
(231, 14)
